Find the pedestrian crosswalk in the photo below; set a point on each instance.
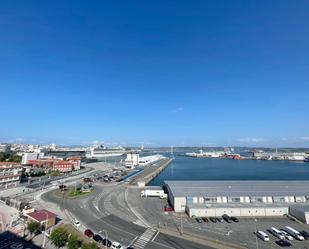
(145, 238)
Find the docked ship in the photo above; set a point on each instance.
(102, 151)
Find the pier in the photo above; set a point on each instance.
(150, 172)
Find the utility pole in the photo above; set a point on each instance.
(255, 230)
(181, 225)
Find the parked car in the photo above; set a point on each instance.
(294, 233)
(116, 245)
(88, 233)
(76, 223)
(220, 219)
(235, 219)
(106, 242)
(205, 219)
(199, 220)
(213, 219)
(286, 235)
(283, 243)
(227, 218)
(262, 235)
(97, 238)
(277, 233)
(168, 208)
(305, 234)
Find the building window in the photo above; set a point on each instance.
(189, 200)
(210, 199)
(256, 199)
(299, 199)
(233, 199)
(279, 199)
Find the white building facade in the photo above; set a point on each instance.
(240, 197)
(10, 174)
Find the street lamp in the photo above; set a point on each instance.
(106, 237)
(255, 230)
(44, 238)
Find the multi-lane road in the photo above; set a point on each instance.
(107, 212)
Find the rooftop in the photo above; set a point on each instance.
(238, 188)
(41, 215)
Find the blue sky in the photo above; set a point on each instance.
(158, 72)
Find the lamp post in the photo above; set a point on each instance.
(255, 230)
(44, 238)
(106, 236)
(181, 225)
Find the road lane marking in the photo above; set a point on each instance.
(145, 238)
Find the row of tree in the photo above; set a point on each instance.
(60, 238)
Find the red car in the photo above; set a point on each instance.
(88, 233)
(168, 208)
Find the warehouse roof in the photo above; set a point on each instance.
(238, 188)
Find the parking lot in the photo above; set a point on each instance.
(11, 241)
(241, 233)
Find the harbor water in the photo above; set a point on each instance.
(187, 168)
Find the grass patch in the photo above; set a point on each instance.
(77, 193)
(72, 230)
(71, 193)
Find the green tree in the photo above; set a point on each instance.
(15, 158)
(73, 242)
(2, 157)
(33, 227)
(59, 237)
(91, 245)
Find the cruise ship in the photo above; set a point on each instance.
(102, 151)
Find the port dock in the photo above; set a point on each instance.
(150, 172)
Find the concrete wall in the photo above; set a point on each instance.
(299, 214)
(179, 204)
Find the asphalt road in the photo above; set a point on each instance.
(92, 212)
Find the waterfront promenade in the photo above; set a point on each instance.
(150, 172)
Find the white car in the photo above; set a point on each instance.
(76, 223)
(116, 245)
(286, 235)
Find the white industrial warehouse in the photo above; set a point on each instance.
(238, 198)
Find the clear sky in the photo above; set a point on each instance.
(158, 72)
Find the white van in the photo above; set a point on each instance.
(287, 235)
(276, 232)
(262, 235)
(294, 233)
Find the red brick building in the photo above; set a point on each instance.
(44, 217)
(60, 165)
(63, 166)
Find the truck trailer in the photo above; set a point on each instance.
(153, 193)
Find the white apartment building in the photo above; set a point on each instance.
(10, 174)
(31, 156)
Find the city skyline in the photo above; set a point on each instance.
(161, 73)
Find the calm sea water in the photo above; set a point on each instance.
(186, 168)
